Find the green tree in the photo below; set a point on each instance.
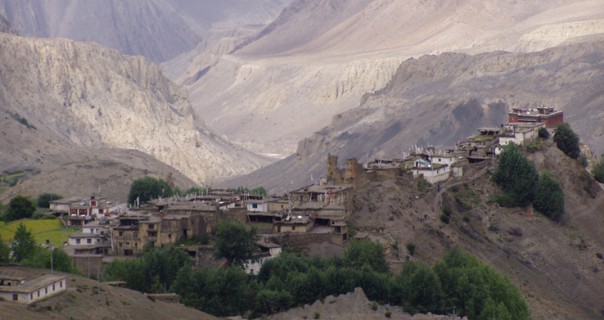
(44, 199)
(20, 207)
(41, 258)
(260, 191)
(598, 170)
(543, 133)
(148, 188)
(23, 244)
(516, 175)
(549, 197)
(420, 287)
(234, 242)
(470, 287)
(4, 251)
(567, 140)
(366, 253)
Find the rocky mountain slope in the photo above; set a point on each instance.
(290, 81)
(157, 29)
(60, 95)
(440, 99)
(88, 299)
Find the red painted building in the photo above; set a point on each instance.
(547, 115)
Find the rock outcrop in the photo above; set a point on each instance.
(85, 95)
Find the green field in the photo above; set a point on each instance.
(42, 230)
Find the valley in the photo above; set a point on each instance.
(225, 99)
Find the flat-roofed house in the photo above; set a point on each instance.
(29, 291)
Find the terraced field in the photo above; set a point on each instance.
(42, 230)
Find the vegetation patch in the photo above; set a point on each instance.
(42, 230)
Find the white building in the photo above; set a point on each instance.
(434, 174)
(32, 290)
(268, 250)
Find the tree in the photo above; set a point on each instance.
(47, 258)
(543, 133)
(44, 199)
(20, 207)
(23, 243)
(421, 291)
(4, 251)
(549, 197)
(516, 175)
(598, 170)
(148, 188)
(234, 242)
(567, 140)
(366, 253)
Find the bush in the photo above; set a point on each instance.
(411, 248)
(148, 188)
(567, 140)
(44, 199)
(517, 176)
(543, 133)
(549, 197)
(20, 207)
(598, 170)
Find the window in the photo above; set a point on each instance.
(88, 240)
(38, 293)
(77, 241)
(120, 233)
(53, 287)
(255, 206)
(15, 297)
(31, 296)
(61, 284)
(46, 290)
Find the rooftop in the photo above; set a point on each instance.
(33, 285)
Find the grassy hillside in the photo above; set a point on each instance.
(42, 230)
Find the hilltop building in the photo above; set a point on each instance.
(549, 116)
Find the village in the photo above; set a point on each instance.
(317, 213)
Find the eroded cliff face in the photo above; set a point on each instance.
(289, 81)
(91, 96)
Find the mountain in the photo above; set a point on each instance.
(58, 95)
(441, 99)
(157, 29)
(289, 81)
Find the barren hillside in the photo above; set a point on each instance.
(291, 80)
(557, 266)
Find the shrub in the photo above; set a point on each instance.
(598, 170)
(567, 140)
(543, 133)
(517, 176)
(445, 218)
(148, 188)
(20, 207)
(44, 199)
(549, 198)
(411, 248)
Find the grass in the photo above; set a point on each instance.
(42, 230)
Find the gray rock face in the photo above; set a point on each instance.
(150, 28)
(438, 100)
(157, 29)
(85, 95)
(5, 26)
